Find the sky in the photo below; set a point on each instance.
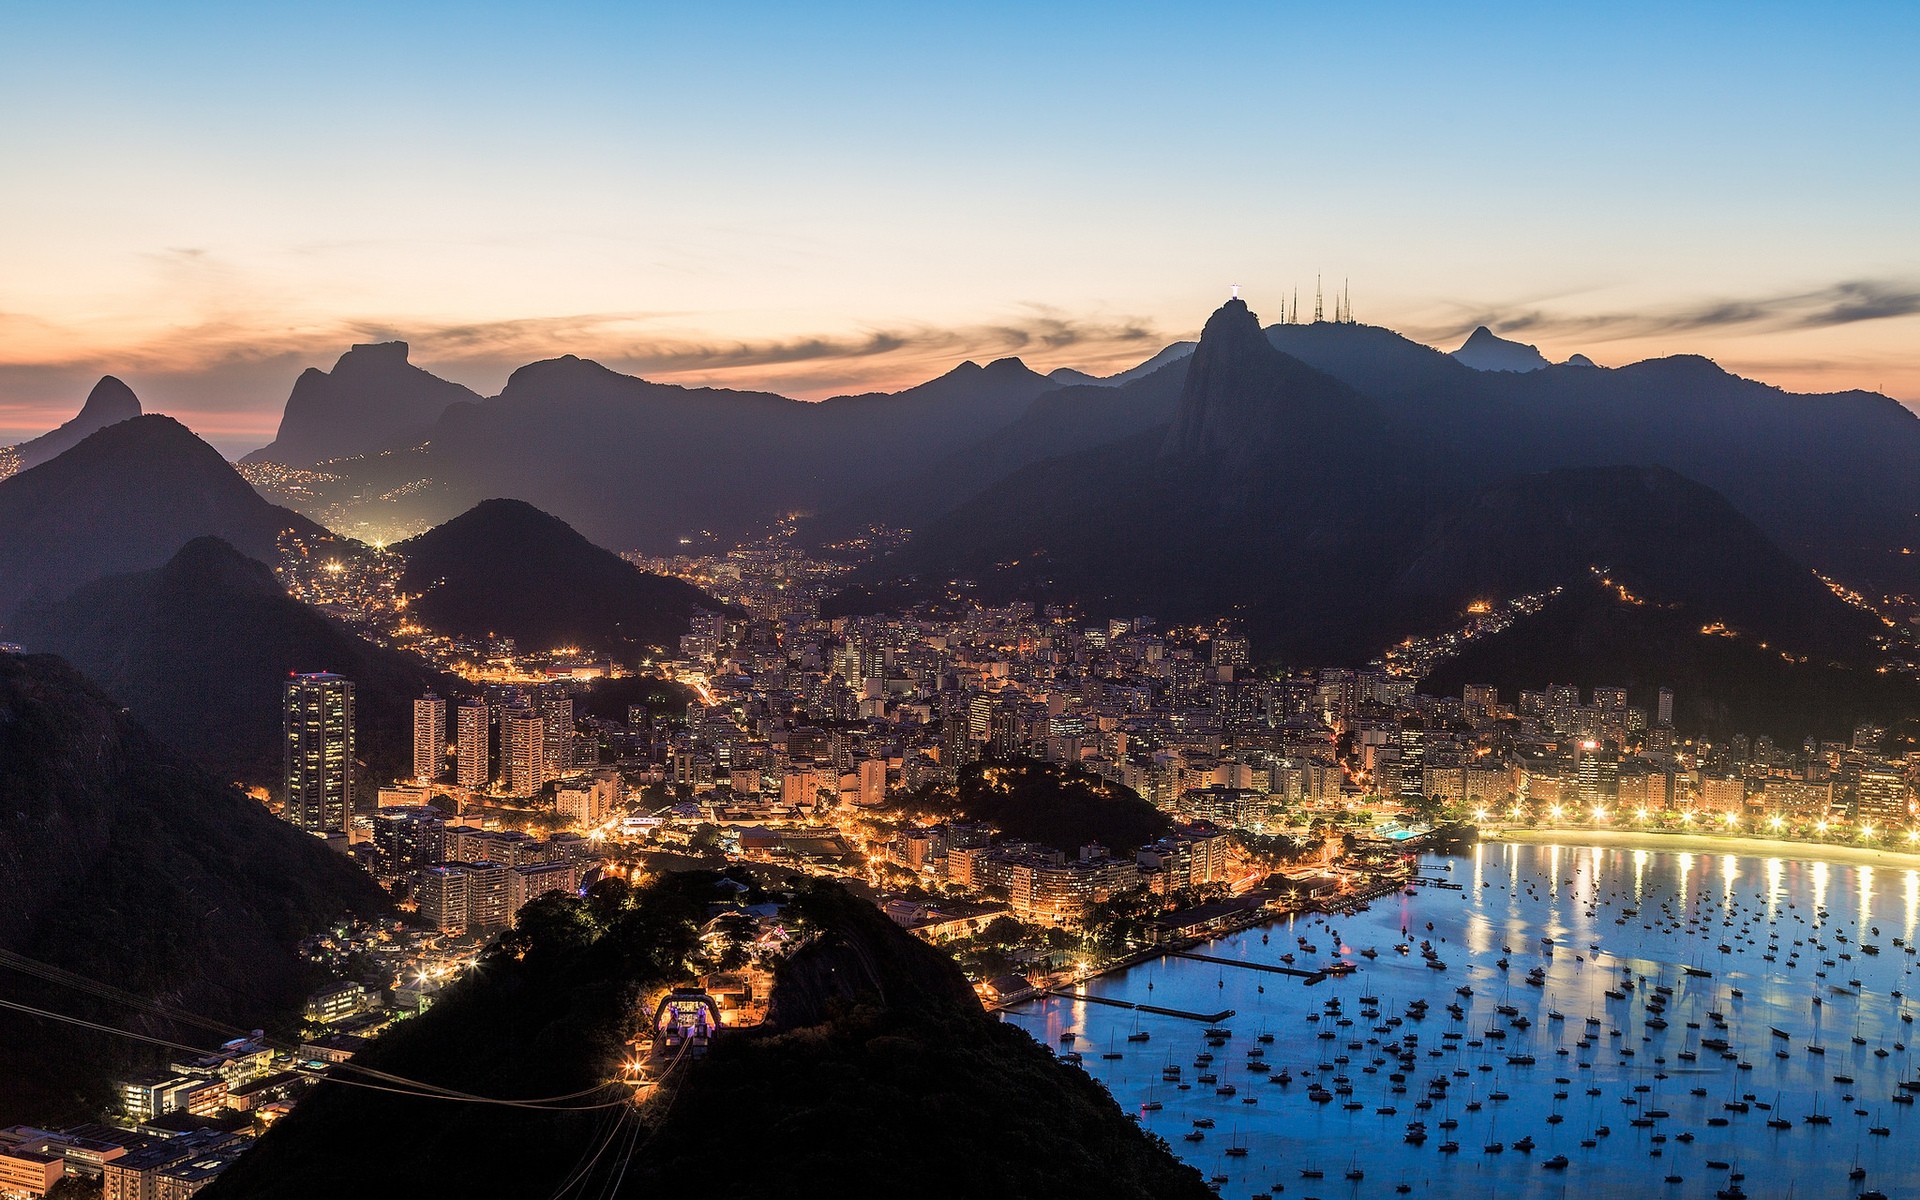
(205, 199)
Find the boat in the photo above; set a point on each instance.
(1557, 1163)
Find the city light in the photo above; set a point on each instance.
(1687, 817)
(1599, 813)
(1775, 821)
(1820, 826)
(1731, 818)
(1640, 814)
(1866, 831)
(1556, 811)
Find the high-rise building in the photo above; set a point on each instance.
(470, 754)
(488, 896)
(319, 752)
(429, 737)
(1481, 700)
(523, 751)
(1663, 710)
(441, 895)
(409, 838)
(557, 714)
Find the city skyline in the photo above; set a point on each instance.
(842, 201)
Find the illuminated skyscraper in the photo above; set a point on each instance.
(319, 752)
(557, 714)
(470, 751)
(429, 737)
(523, 751)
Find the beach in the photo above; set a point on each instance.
(1706, 843)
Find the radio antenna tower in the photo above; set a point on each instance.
(1317, 309)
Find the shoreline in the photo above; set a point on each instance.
(1735, 845)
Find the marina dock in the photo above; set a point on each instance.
(1312, 977)
(1207, 1018)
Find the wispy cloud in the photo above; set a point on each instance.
(1842, 303)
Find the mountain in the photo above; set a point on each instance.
(506, 569)
(1058, 422)
(372, 400)
(1068, 377)
(1321, 520)
(127, 498)
(1654, 533)
(876, 1070)
(1243, 400)
(1724, 682)
(199, 649)
(1486, 351)
(1828, 477)
(124, 863)
(109, 403)
(708, 464)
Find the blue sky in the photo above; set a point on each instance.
(205, 198)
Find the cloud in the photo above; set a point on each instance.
(1843, 303)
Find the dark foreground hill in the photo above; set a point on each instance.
(199, 649)
(876, 1073)
(1032, 801)
(1725, 681)
(506, 569)
(121, 861)
(126, 499)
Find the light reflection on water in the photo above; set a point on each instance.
(1513, 896)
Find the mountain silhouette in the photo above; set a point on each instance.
(1243, 400)
(199, 649)
(372, 400)
(1829, 477)
(1314, 516)
(127, 498)
(506, 569)
(1486, 351)
(705, 461)
(127, 864)
(109, 403)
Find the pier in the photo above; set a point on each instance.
(1426, 881)
(1312, 977)
(1206, 1018)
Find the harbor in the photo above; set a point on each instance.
(1586, 1021)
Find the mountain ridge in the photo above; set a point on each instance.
(127, 498)
(198, 650)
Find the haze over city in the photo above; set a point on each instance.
(206, 199)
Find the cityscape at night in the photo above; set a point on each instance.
(1109, 603)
